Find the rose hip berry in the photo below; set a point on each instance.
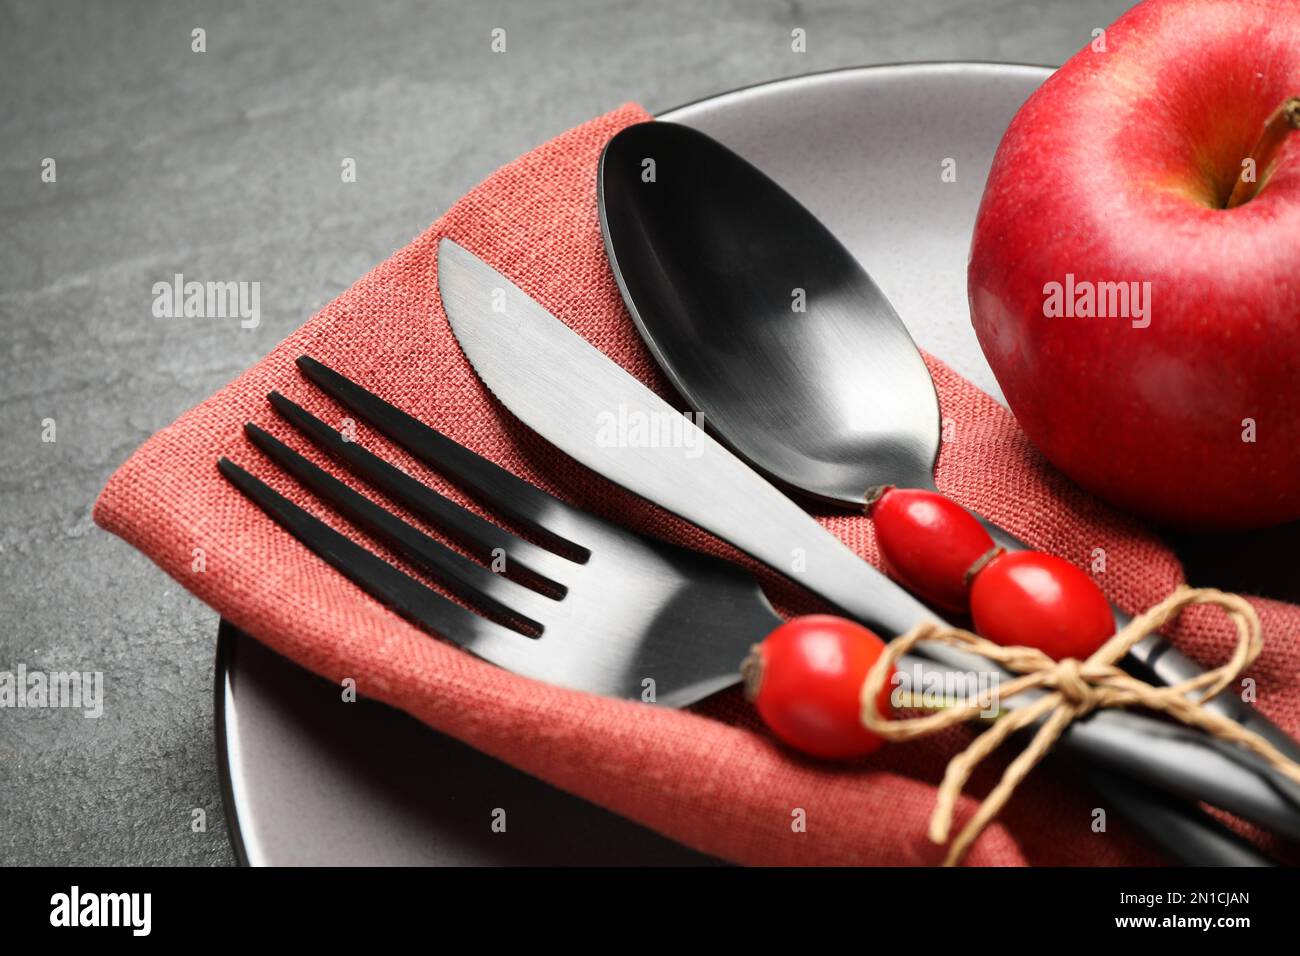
(1033, 599)
(806, 681)
(929, 543)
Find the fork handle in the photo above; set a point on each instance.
(1170, 757)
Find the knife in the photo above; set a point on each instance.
(569, 392)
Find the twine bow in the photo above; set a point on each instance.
(1075, 688)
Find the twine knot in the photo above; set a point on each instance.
(1067, 678)
(1073, 688)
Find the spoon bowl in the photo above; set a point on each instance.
(762, 320)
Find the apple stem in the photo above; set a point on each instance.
(1285, 120)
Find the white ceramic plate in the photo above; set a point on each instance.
(310, 782)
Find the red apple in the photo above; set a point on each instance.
(1113, 182)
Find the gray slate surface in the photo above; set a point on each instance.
(225, 165)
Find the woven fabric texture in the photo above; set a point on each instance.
(709, 777)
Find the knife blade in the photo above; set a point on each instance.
(570, 392)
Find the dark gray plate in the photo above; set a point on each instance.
(311, 782)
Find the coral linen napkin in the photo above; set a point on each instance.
(709, 777)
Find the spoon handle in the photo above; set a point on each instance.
(940, 550)
(1154, 658)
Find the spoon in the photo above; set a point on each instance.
(766, 324)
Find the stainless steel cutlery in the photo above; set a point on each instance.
(589, 606)
(557, 594)
(561, 386)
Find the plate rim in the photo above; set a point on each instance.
(222, 699)
(227, 633)
(836, 72)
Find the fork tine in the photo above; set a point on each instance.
(525, 561)
(512, 496)
(469, 580)
(390, 586)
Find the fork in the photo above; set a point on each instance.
(583, 604)
(597, 608)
